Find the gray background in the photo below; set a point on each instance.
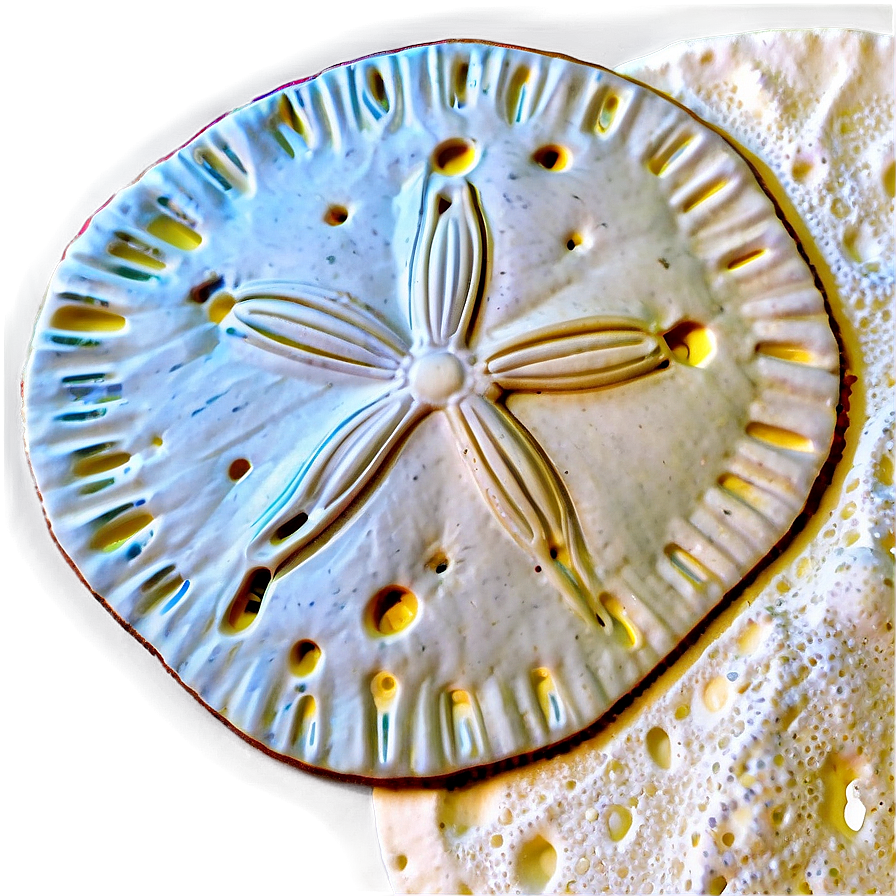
(114, 778)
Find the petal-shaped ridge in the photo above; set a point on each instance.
(312, 326)
(586, 353)
(527, 496)
(335, 475)
(448, 267)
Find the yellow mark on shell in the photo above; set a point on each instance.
(702, 194)
(127, 252)
(740, 488)
(85, 319)
(174, 232)
(627, 634)
(789, 351)
(463, 719)
(220, 306)
(606, 114)
(293, 119)
(304, 729)
(548, 697)
(116, 532)
(779, 437)
(744, 259)
(384, 690)
(659, 163)
(688, 565)
(100, 463)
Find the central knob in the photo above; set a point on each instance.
(436, 377)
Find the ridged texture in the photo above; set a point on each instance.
(369, 336)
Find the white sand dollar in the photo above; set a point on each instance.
(415, 412)
(762, 763)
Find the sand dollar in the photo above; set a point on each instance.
(415, 412)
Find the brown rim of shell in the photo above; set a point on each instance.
(839, 448)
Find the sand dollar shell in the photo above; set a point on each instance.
(413, 413)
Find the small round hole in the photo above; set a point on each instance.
(239, 468)
(454, 156)
(290, 527)
(573, 241)
(336, 215)
(438, 563)
(245, 607)
(691, 343)
(552, 157)
(391, 610)
(304, 657)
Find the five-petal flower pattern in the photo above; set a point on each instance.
(440, 370)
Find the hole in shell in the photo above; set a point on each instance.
(239, 468)
(201, 293)
(336, 215)
(391, 610)
(573, 241)
(377, 87)
(304, 658)
(438, 562)
(552, 157)
(246, 605)
(691, 343)
(290, 527)
(454, 156)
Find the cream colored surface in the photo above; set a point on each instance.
(763, 763)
